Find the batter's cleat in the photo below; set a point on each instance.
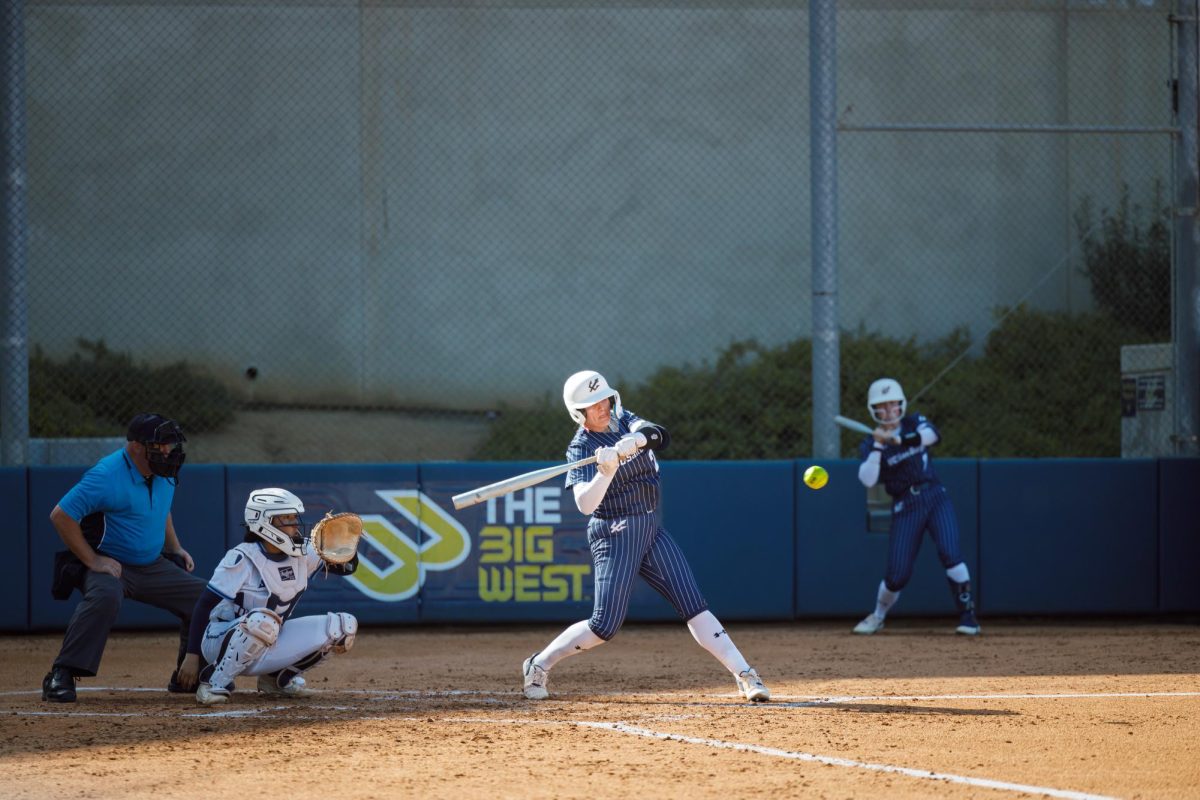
(870, 624)
(209, 695)
(59, 686)
(967, 624)
(296, 687)
(535, 679)
(751, 686)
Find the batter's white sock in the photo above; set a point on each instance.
(707, 631)
(959, 573)
(884, 600)
(573, 640)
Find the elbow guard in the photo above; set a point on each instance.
(657, 437)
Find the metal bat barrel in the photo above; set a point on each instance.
(522, 481)
(853, 425)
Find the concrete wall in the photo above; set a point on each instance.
(412, 204)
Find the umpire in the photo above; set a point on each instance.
(117, 525)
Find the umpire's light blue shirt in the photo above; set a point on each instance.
(135, 512)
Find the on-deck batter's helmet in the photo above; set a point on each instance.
(585, 389)
(885, 390)
(263, 506)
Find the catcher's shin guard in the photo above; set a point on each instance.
(246, 641)
(341, 630)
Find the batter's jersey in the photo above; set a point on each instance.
(248, 578)
(903, 466)
(635, 489)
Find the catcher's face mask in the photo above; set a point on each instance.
(273, 515)
(292, 525)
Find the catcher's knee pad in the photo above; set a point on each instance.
(262, 626)
(341, 629)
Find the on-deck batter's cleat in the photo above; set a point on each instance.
(535, 679)
(870, 624)
(59, 686)
(967, 624)
(209, 695)
(296, 687)
(751, 686)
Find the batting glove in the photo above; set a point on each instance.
(627, 446)
(607, 460)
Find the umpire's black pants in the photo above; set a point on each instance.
(160, 583)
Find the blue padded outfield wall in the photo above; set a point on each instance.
(1043, 536)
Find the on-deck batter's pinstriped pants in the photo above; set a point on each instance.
(912, 515)
(626, 547)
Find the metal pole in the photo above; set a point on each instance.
(826, 367)
(14, 348)
(1186, 318)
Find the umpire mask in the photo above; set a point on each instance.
(155, 429)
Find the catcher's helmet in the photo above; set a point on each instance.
(586, 388)
(885, 390)
(263, 506)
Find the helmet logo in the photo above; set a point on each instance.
(886, 390)
(593, 384)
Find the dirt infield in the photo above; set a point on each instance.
(1028, 709)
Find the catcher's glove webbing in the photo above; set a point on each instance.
(335, 537)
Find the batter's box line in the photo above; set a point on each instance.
(793, 755)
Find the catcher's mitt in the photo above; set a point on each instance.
(335, 537)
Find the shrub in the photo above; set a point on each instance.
(1128, 261)
(95, 392)
(1045, 385)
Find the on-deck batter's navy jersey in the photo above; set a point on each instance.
(901, 466)
(635, 489)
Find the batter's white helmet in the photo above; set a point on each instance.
(584, 389)
(263, 506)
(882, 391)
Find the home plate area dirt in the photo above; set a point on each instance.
(1028, 709)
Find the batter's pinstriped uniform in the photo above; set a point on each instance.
(625, 537)
(620, 492)
(919, 503)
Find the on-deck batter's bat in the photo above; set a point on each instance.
(854, 425)
(516, 482)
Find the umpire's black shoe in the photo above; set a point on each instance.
(59, 686)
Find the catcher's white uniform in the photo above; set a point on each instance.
(251, 630)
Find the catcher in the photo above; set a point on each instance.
(243, 620)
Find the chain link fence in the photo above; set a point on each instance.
(359, 231)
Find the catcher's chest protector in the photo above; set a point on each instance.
(276, 582)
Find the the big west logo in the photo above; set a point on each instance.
(516, 561)
(445, 544)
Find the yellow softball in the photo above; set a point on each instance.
(816, 477)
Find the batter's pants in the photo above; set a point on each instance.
(626, 547)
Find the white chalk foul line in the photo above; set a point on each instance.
(1029, 696)
(986, 783)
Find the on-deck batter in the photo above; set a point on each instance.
(897, 452)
